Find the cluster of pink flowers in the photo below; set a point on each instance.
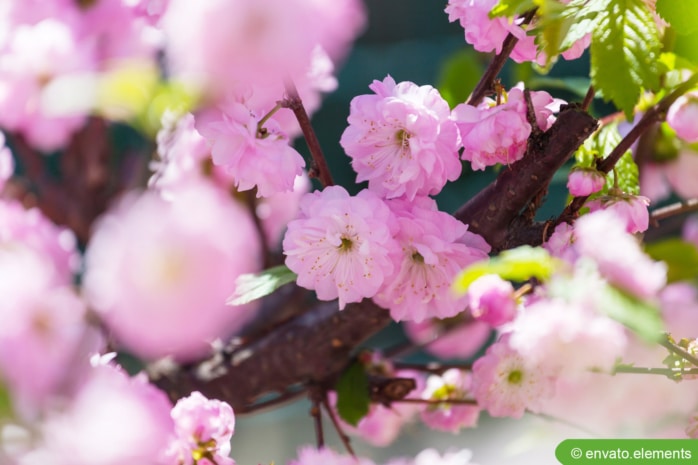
(49, 49)
(487, 34)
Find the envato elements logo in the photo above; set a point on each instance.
(637, 451)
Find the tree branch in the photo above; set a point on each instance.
(493, 211)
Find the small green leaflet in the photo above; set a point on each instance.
(641, 317)
(625, 51)
(249, 287)
(512, 7)
(5, 403)
(681, 258)
(353, 398)
(598, 146)
(519, 264)
(681, 14)
(458, 76)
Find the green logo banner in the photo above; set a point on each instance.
(627, 451)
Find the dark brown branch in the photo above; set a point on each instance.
(486, 83)
(319, 166)
(312, 348)
(493, 211)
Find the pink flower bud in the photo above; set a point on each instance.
(582, 182)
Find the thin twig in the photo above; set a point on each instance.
(655, 371)
(588, 98)
(435, 367)
(671, 347)
(319, 164)
(688, 206)
(342, 435)
(317, 417)
(484, 86)
(410, 400)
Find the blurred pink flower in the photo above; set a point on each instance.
(566, 338)
(401, 139)
(631, 209)
(159, 273)
(277, 210)
(340, 246)
(112, 420)
(602, 236)
(682, 117)
(506, 384)
(311, 456)
(453, 384)
(431, 255)
(224, 45)
(561, 243)
(491, 299)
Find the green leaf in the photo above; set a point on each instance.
(681, 14)
(5, 403)
(249, 287)
(512, 7)
(353, 398)
(625, 51)
(519, 264)
(681, 258)
(641, 317)
(458, 76)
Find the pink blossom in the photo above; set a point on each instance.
(492, 135)
(241, 43)
(340, 246)
(431, 255)
(582, 182)
(432, 457)
(32, 58)
(31, 229)
(453, 384)
(449, 338)
(682, 117)
(653, 182)
(112, 420)
(203, 427)
(561, 243)
(43, 329)
(485, 34)
(171, 266)
(602, 236)
(401, 139)
(254, 156)
(566, 337)
(506, 384)
(182, 152)
(632, 209)
(491, 299)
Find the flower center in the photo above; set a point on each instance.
(346, 245)
(515, 377)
